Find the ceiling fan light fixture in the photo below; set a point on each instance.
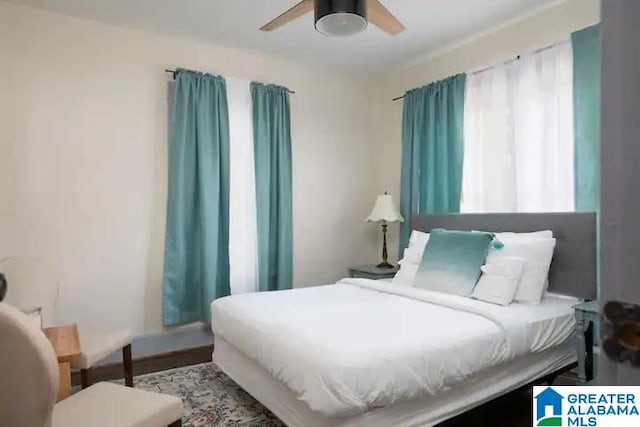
(340, 17)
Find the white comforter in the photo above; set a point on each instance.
(360, 344)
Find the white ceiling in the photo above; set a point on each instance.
(431, 25)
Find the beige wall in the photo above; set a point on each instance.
(519, 36)
(83, 149)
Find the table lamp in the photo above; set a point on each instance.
(385, 212)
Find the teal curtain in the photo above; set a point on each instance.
(587, 54)
(586, 112)
(432, 150)
(196, 259)
(272, 150)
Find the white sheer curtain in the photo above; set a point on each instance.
(243, 235)
(519, 135)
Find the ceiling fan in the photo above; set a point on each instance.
(341, 17)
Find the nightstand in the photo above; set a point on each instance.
(372, 272)
(587, 316)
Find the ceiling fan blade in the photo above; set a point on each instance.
(302, 8)
(380, 16)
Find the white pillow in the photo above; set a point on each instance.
(499, 282)
(406, 274)
(417, 243)
(537, 255)
(542, 234)
(509, 236)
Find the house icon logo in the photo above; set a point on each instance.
(548, 408)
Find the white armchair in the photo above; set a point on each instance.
(29, 373)
(33, 284)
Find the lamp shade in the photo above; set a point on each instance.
(385, 210)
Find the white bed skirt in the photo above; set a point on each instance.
(426, 411)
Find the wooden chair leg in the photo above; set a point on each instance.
(176, 424)
(128, 365)
(84, 378)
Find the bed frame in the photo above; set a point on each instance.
(573, 272)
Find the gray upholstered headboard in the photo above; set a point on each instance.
(573, 269)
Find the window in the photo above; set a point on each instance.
(519, 135)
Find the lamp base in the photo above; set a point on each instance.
(385, 264)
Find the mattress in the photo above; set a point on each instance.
(358, 345)
(426, 411)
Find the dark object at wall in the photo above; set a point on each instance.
(621, 332)
(3, 286)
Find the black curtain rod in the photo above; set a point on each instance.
(174, 76)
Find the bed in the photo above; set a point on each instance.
(365, 353)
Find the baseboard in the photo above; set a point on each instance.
(149, 364)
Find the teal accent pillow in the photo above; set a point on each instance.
(451, 261)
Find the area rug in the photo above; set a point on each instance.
(210, 397)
